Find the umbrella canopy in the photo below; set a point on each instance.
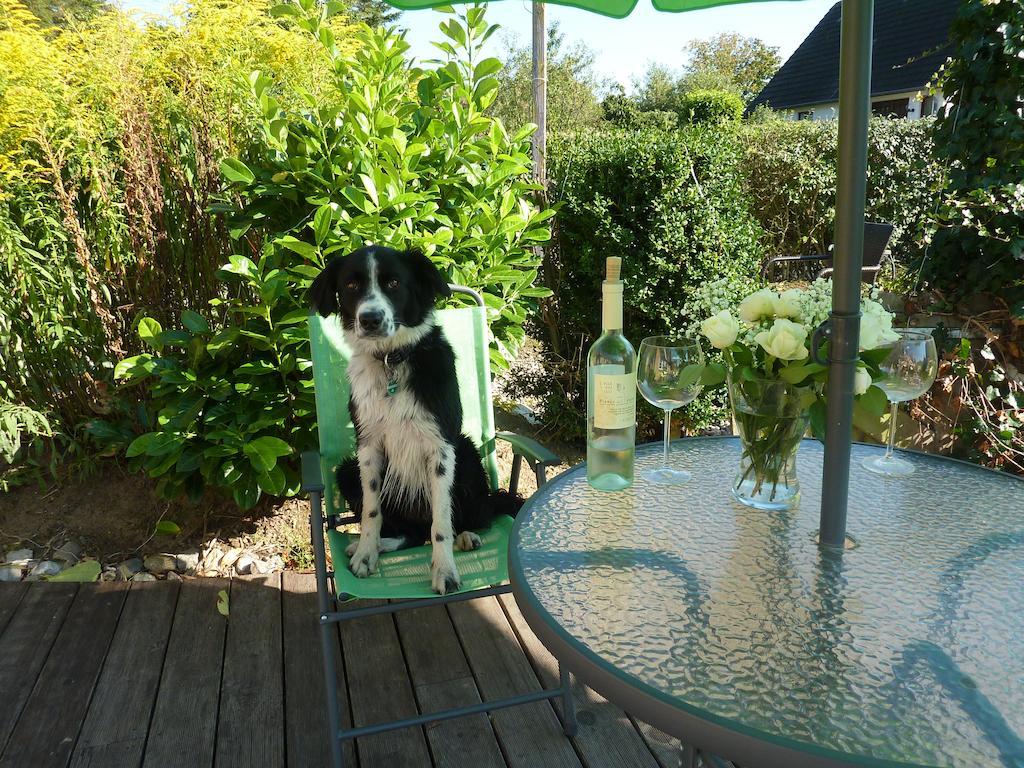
(617, 9)
(843, 326)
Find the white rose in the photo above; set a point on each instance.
(788, 304)
(758, 305)
(785, 340)
(875, 326)
(721, 329)
(861, 381)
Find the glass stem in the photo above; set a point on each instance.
(892, 430)
(668, 429)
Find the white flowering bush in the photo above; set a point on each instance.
(765, 336)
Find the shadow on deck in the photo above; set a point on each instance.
(150, 674)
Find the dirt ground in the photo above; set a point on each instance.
(113, 514)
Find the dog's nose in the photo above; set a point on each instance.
(371, 319)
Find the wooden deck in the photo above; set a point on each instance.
(150, 674)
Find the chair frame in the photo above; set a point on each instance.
(539, 459)
(869, 271)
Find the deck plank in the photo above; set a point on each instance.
(305, 698)
(380, 690)
(25, 645)
(10, 596)
(184, 725)
(530, 735)
(607, 737)
(250, 728)
(114, 732)
(46, 732)
(442, 679)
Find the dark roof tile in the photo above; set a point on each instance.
(911, 41)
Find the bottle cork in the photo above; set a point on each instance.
(613, 269)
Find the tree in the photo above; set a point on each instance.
(731, 61)
(657, 90)
(573, 86)
(62, 13)
(375, 13)
(979, 242)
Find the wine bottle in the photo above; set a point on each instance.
(611, 393)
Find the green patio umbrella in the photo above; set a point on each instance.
(843, 325)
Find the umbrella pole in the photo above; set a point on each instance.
(854, 111)
(540, 93)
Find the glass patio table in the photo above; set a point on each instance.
(729, 627)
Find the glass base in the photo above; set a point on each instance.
(666, 476)
(888, 467)
(774, 498)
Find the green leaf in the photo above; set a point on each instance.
(874, 401)
(167, 528)
(234, 170)
(304, 249)
(140, 444)
(149, 332)
(322, 221)
(712, 375)
(223, 607)
(795, 374)
(818, 414)
(690, 375)
(194, 322)
(370, 187)
(84, 572)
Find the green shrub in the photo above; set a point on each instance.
(710, 106)
(789, 171)
(404, 157)
(672, 205)
(979, 245)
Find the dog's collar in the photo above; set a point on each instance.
(391, 360)
(395, 357)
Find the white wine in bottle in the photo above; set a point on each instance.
(611, 393)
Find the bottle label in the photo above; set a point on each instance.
(614, 400)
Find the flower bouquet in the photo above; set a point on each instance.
(775, 389)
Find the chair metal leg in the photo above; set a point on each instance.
(569, 724)
(328, 633)
(513, 480)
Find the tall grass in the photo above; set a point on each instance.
(111, 133)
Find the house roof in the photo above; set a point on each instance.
(911, 42)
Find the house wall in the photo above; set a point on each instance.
(919, 105)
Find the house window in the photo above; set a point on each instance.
(805, 114)
(891, 108)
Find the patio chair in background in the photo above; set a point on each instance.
(405, 575)
(876, 239)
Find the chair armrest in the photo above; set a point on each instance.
(312, 476)
(767, 268)
(529, 449)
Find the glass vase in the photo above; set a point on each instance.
(770, 417)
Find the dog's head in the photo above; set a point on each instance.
(378, 290)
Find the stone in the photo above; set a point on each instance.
(18, 556)
(212, 558)
(43, 568)
(10, 572)
(69, 553)
(129, 568)
(259, 567)
(160, 564)
(188, 562)
(243, 565)
(229, 558)
(174, 576)
(143, 576)
(276, 563)
(109, 574)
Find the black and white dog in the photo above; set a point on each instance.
(415, 476)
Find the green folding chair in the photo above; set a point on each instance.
(405, 575)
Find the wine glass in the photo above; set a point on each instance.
(668, 376)
(909, 372)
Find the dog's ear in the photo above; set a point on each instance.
(428, 277)
(323, 293)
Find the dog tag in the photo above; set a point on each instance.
(392, 388)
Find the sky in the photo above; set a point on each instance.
(624, 47)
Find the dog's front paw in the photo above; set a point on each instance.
(363, 561)
(467, 541)
(444, 578)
